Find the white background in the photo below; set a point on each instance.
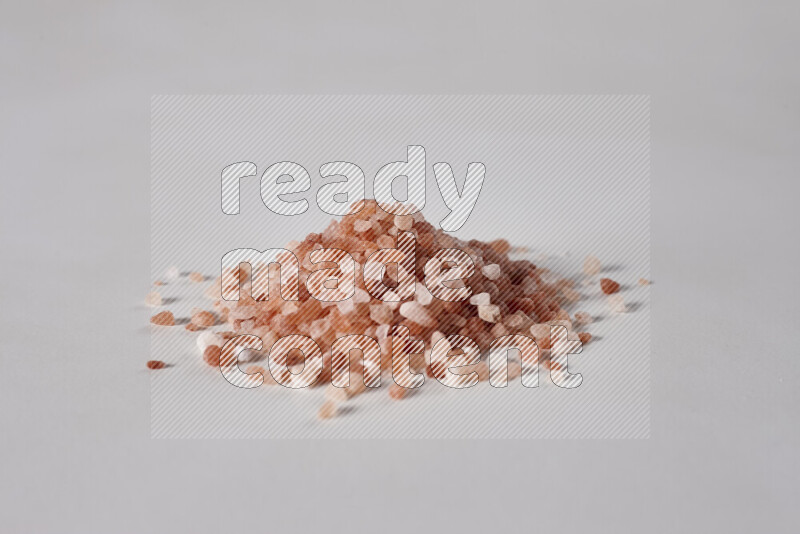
(76, 86)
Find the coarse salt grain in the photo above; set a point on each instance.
(616, 304)
(164, 318)
(608, 286)
(153, 299)
(591, 266)
(481, 299)
(172, 273)
(203, 318)
(490, 313)
(492, 271)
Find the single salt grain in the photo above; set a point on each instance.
(208, 338)
(361, 226)
(616, 304)
(196, 277)
(397, 392)
(203, 318)
(403, 222)
(481, 299)
(490, 313)
(153, 299)
(172, 273)
(381, 314)
(327, 410)
(158, 283)
(501, 246)
(164, 318)
(155, 364)
(584, 337)
(644, 282)
(608, 286)
(591, 266)
(492, 271)
(334, 394)
(583, 317)
(212, 354)
(416, 313)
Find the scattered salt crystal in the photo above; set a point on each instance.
(416, 313)
(481, 299)
(489, 313)
(424, 296)
(492, 271)
(644, 282)
(334, 394)
(153, 299)
(327, 410)
(403, 222)
(208, 338)
(381, 313)
(591, 266)
(617, 304)
(172, 273)
(583, 317)
(362, 226)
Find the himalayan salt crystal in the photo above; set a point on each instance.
(490, 313)
(172, 274)
(156, 364)
(403, 222)
(346, 307)
(357, 386)
(191, 327)
(382, 332)
(583, 317)
(644, 282)
(289, 307)
(158, 283)
(327, 410)
(380, 313)
(584, 337)
(212, 355)
(617, 304)
(514, 321)
(208, 338)
(361, 296)
(397, 392)
(416, 313)
(501, 246)
(334, 394)
(608, 286)
(319, 328)
(481, 299)
(540, 331)
(492, 271)
(153, 299)
(362, 226)
(385, 241)
(164, 318)
(423, 296)
(498, 330)
(203, 318)
(591, 266)
(570, 294)
(196, 277)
